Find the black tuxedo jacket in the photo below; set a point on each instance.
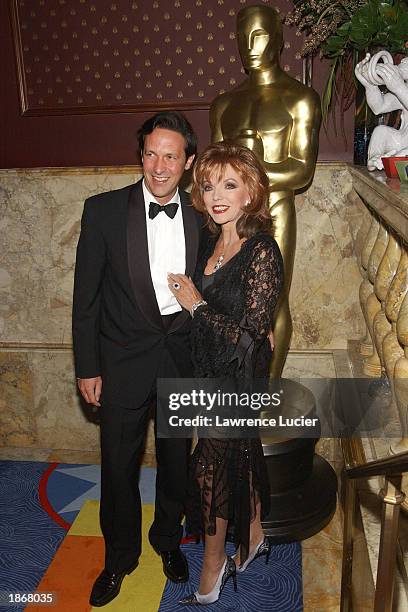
(117, 327)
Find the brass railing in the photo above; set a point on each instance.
(356, 467)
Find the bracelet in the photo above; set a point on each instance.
(197, 305)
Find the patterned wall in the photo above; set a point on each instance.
(79, 56)
(80, 76)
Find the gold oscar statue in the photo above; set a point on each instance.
(279, 119)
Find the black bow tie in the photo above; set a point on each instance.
(169, 209)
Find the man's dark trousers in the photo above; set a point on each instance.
(119, 334)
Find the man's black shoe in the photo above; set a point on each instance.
(107, 586)
(175, 565)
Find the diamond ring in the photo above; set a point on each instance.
(176, 286)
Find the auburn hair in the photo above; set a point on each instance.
(214, 159)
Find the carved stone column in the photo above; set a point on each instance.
(385, 275)
(372, 365)
(401, 378)
(366, 345)
(391, 348)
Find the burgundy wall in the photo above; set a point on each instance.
(81, 75)
(336, 142)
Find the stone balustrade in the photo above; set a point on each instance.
(383, 264)
(383, 260)
(381, 247)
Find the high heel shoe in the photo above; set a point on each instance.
(228, 569)
(264, 548)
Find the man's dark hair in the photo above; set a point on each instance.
(169, 120)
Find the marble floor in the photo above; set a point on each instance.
(322, 553)
(321, 558)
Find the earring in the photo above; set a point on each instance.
(247, 203)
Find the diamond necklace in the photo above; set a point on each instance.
(221, 258)
(218, 263)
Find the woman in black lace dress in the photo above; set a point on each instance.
(238, 280)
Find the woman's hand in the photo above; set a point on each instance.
(184, 290)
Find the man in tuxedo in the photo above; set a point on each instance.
(129, 330)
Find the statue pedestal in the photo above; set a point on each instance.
(303, 484)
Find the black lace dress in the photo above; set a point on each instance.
(229, 338)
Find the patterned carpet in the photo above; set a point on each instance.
(262, 588)
(29, 537)
(40, 502)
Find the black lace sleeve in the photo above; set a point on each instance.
(224, 344)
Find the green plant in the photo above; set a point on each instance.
(340, 30)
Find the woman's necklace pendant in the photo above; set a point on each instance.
(218, 263)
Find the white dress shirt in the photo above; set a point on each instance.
(167, 251)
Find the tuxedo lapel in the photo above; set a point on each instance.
(191, 233)
(138, 258)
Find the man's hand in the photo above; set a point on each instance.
(90, 389)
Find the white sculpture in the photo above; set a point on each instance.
(385, 141)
